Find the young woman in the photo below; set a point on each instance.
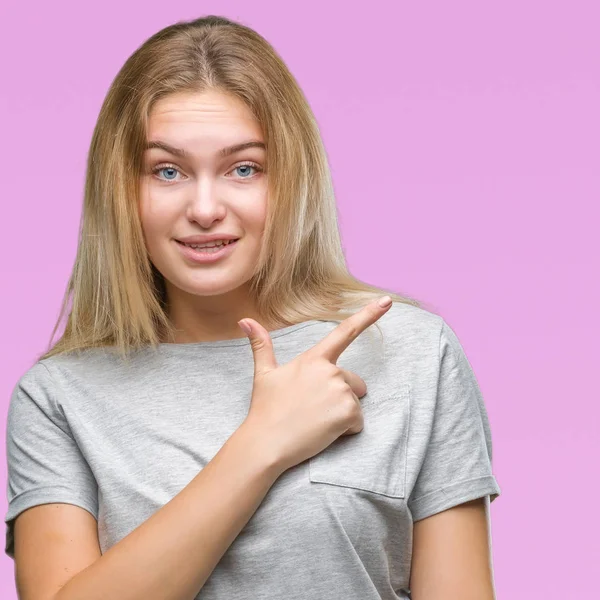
(157, 451)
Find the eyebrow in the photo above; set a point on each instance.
(223, 153)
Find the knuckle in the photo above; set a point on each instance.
(331, 368)
(349, 406)
(316, 366)
(341, 384)
(350, 328)
(341, 387)
(341, 376)
(325, 367)
(337, 373)
(259, 344)
(256, 343)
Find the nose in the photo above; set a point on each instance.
(205, 207)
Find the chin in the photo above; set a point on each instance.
(209, 286)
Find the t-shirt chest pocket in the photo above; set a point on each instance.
(374, 459)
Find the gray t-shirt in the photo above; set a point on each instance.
(120, 440)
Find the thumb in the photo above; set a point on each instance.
(261, 344)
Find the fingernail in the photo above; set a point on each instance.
(385, 301)
(245, 326)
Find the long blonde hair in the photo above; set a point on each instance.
(117, 295)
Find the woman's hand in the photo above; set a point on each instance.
(300, 408)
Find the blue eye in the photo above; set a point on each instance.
(244, 167)
(174, 170)
(166, 169)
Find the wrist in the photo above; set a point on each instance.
(255, 448)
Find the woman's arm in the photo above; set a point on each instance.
(168, 557)
(452, 555)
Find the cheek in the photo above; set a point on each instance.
(154, 215)
(255, 215)
(144, 208)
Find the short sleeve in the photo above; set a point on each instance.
(457, 466)
(44, 462)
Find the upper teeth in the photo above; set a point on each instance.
(209, 244)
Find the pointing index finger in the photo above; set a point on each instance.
(334, 343)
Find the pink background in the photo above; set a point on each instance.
(464, 144)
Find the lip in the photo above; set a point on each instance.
(193, 256)
(202, 239)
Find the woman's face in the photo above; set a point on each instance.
(204, 191)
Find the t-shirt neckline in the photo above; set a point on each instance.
(242, 341)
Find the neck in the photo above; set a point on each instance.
(212, 318)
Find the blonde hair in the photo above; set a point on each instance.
(118, 296)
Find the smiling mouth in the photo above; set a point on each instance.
(206, 247)
(207, 253)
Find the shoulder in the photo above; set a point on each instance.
(399, 351)
(93, 367)
(33, 384)
(33, 403)
(48, 381)
(425, 340)
(411, 328)
(407, 326)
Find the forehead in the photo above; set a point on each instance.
(202, 108)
